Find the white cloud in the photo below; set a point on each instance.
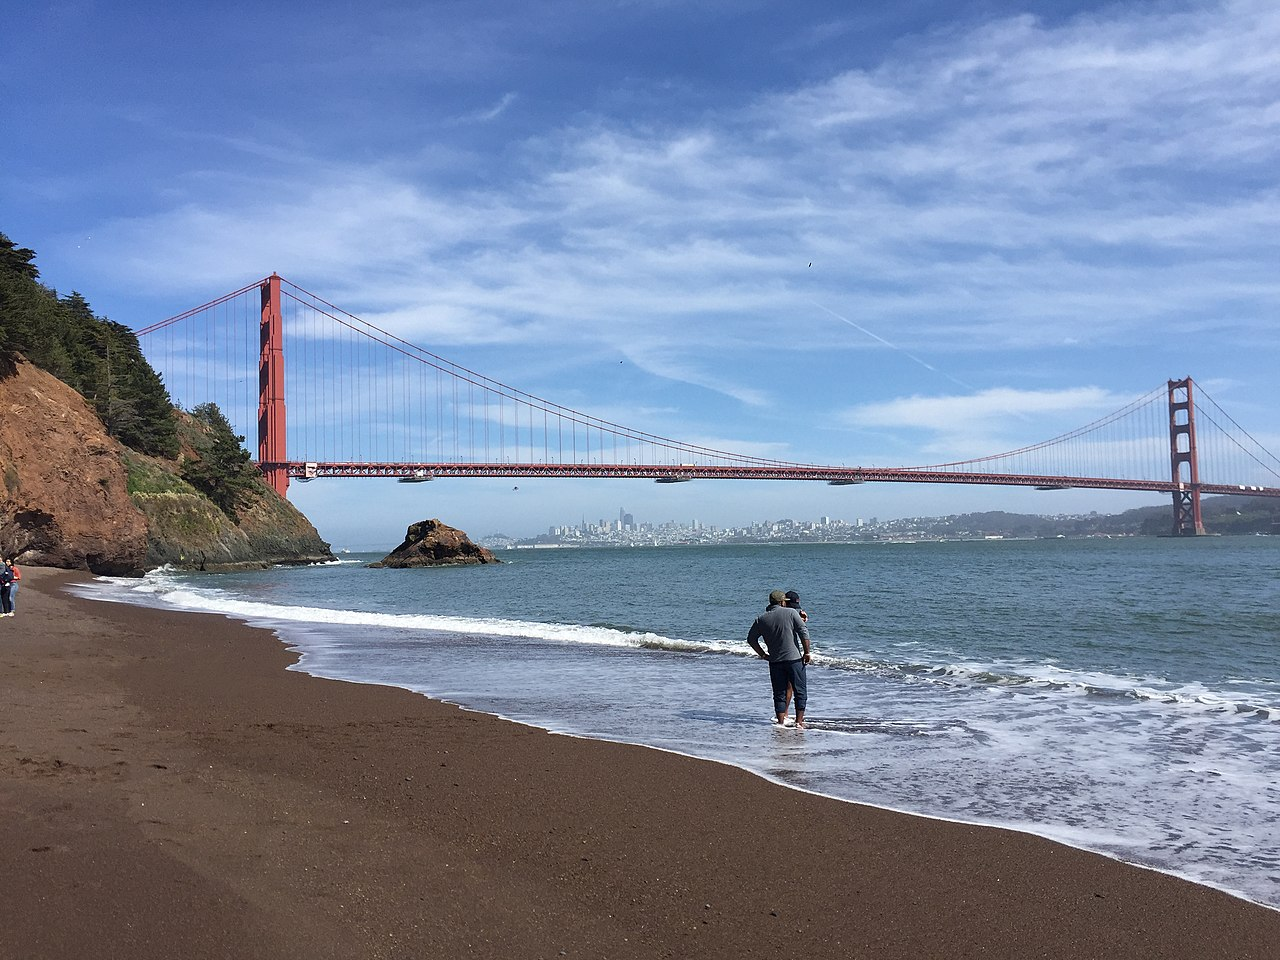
(1097, 184)
(493, 112)
(982, 412)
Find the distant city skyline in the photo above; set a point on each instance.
(991, 525)
(627, 521)
(456, 503)
(1225, 515)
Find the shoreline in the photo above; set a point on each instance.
(172, 788)
(308, 636)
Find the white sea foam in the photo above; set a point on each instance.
(165, 587)
(169, 587)
(1029, 678)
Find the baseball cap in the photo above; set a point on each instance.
(777, 597)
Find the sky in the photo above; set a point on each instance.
(855, 234)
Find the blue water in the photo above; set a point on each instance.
(1122, 696)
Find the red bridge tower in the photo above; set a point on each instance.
(272, 454)
(1182, 457)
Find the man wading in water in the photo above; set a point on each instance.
(787, 640)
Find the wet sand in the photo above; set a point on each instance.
(170, 790)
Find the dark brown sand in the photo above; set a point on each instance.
(169, 790)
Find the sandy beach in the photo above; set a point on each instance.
(170, 789)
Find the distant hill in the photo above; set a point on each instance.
(1228, 515)
(1222, 515)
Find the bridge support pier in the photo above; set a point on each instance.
(1187, 521)
(272, 455)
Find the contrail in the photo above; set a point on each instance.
(892, 346)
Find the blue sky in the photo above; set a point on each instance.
(1019, 216)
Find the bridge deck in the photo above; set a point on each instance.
(668, 473)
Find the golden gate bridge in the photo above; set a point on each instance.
(379, 406)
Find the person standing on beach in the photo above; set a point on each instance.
(13, 587)
(6, 588)
(786, 647)
(793, 601)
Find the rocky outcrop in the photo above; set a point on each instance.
(430, 543)
(72, 497)
(64, 501)
(185, 529)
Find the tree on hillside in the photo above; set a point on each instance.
(224, 472)
(98, 358)
(17, 260)
(25, 305)
(127, 393)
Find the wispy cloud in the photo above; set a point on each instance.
(1010, 186)
(943, 414)
(946, 428)
(491, 113)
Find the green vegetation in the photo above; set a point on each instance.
(223, 473)
(148, 477)
(97, 357)
(183, 518)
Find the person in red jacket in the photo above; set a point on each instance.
(13, 587)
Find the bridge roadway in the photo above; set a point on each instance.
(668, 473)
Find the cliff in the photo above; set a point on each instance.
(186, 529)
(65, 499)
(74, 497)
(430, 543)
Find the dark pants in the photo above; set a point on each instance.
(6, 605)
(790, 672)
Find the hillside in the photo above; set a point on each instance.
(74, 497)
(1228, 515)
(65, 498)
(99, 471)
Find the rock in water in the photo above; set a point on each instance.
(430, 543)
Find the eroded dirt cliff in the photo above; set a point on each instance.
(65, 499)
(71, 496)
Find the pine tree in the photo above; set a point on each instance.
(98, 358)
(224, 472)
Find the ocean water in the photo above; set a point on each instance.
(1122, 696)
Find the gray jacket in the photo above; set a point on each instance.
(782, 631)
